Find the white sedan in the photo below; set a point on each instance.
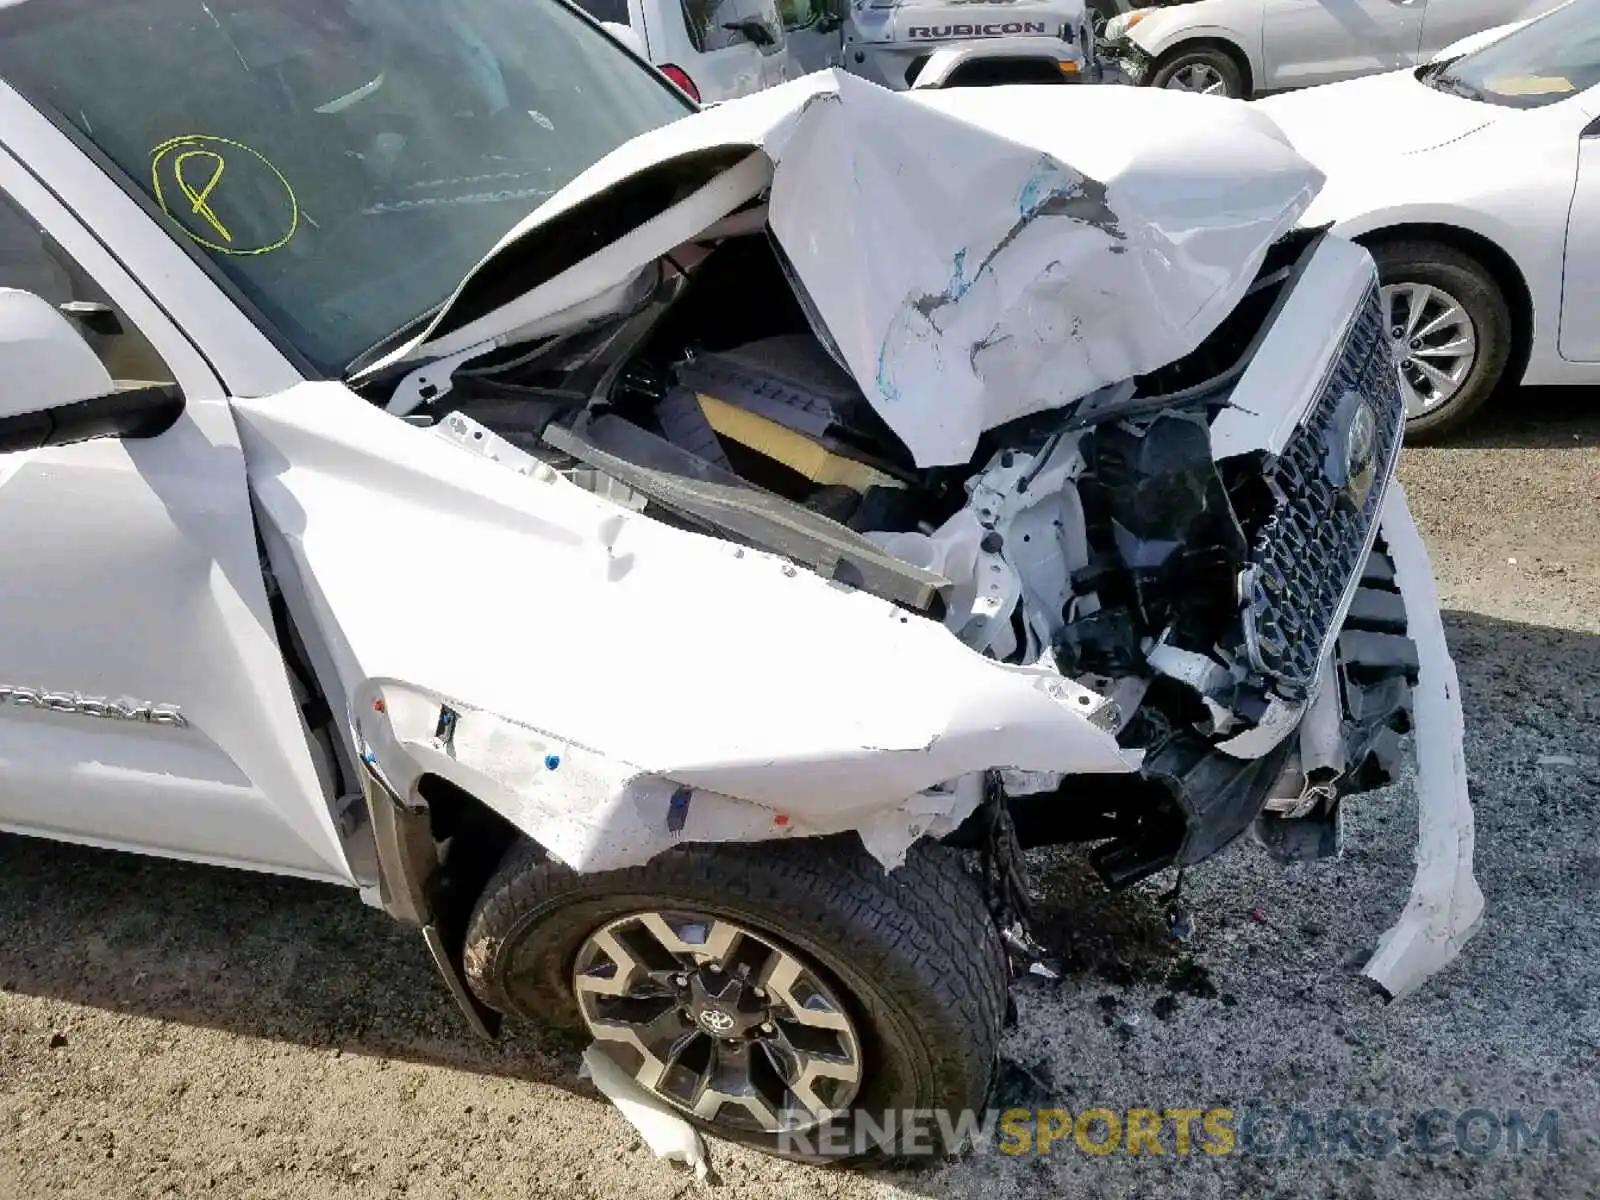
(1246, 48)
(1475, 182)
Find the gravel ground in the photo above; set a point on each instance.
(168, 1030)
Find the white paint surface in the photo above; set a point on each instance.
(661, 1126)
(1446, 903)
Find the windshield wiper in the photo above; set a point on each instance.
(1436, 75)
(1456, 87)
(1437, 65)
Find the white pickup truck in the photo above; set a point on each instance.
(680, 560)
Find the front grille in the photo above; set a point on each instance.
(1308, 554)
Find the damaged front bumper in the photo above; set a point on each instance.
(1392, 673)
(1389, 674)
(1123, 61)
(1332, 637)
(1446, 903)
(1349, 739)
(1112, 594)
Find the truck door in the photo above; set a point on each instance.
(740, 46)
(1580, 290)
(144, 703)
(1318, 41)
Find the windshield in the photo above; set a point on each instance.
(343, 162)
(1544, 62)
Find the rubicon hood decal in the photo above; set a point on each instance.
(976, 255)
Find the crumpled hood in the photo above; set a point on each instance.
(973, 255)
(1363, 121)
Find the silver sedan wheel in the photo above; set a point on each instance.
(719, 1021)
(1433, 341)
(1198, 77)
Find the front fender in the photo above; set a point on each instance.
(1538, 268)
(1364, 224)
(1165, 29)
(611, 684)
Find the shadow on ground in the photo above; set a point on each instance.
(1545, 418)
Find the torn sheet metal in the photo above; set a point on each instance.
(1446, 903)
(662, 1127)
(598, 813)
(591, 811)
(557, 624)
(975, 254)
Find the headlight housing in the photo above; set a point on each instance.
(1120, 24)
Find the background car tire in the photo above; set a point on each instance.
(1463, 278)
(1183, 61)
(913, 953)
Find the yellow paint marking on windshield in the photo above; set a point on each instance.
(198, 199)
(242, 181)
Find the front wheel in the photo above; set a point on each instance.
(1202, 69)
(1449, 332)
(766, 991)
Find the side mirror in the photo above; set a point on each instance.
(93, 316)
(753, 29)
(54, 389)
(626, 35)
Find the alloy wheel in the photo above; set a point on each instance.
(1433, 341)
(718, 1020)
(1198, 77)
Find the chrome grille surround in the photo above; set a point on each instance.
(1306, 561)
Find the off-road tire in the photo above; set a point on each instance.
(1464, 277)
(913, 952)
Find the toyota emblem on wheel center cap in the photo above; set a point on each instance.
(715, 1021)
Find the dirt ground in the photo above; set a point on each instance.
(168, 1030)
